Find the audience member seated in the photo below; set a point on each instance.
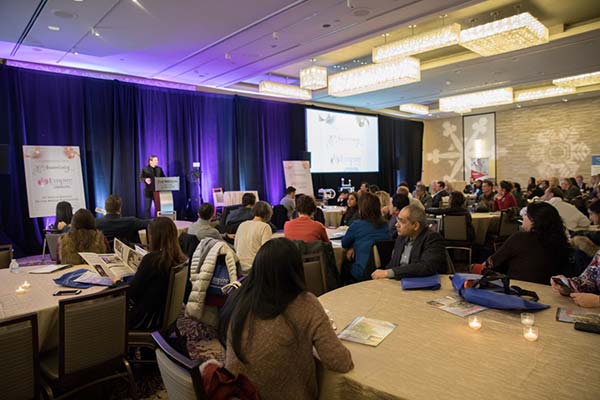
(518, 193)
(359, 239)
(386, 204)
(202, 227)
(573, 219)
(504, 199)
(245, 212)
(113, 225)
(586, 286)
(417, 252)
(342, 199)
(351, 213)
(486, 199)
(82, 237)
(423, 195)
(593, 235)
(457, 207)
(569, 188)
(439, 191)
(289, 201)
(533, 189)
(363, 188)
(304, 227)
(251, 235)
(64, 215)
(271, 326)
(404, 190)
(399, 201)
(580, 183)
(554, 182)
(147, 293)
(539, 251)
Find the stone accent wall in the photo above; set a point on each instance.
(542, 141)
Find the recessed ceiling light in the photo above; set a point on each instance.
(448, 83)
(53, 28)
(78, 1)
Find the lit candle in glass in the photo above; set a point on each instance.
(527, 319)
(20, 290)
(531, 333)
(474, 322)
(26, 285)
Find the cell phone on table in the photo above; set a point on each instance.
(565, 289)
(100, 270)
(66, 292)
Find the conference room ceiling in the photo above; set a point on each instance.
(233, 44)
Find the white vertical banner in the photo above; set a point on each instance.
(52, 174)
(297, 174)
(480, 146)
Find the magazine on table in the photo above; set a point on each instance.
(367, 331)
(122, 263)
(456, 305)
(572, 316)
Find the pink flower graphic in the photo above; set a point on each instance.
(42, 182)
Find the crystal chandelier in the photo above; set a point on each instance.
(465, 102)
(592, 78)
(313, 77)
(508, 34)
(431, 40)
(283, 90)
(542, 92)
(375, 77)
(413, 108)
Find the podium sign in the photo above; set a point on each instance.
(165, 184)
(163, 195)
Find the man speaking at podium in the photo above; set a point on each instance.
(149, 172)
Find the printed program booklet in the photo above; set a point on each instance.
(122, 263)
(456, 305)
(572, 316)
(367, 331)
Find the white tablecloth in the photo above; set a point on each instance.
(333, 215)
(37, 299)
(433, 354)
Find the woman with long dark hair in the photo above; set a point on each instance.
(540, 251)
(270, 325)
(82, 237)
(359, 239)
(64, 215)
(148, 288)
(351, 213)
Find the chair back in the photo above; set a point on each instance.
(52, 240)
(226, 211)
(314, 273)
(92, 332)
(449, 263)
(506, 226)
(455, 227)
(19, 369)
(218, 198)
(180, 375)
(5, 255)
(280, 216)
(434, 224)
(178, 278)
(382, 252)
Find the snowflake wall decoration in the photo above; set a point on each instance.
(558, 152)
(453, 155)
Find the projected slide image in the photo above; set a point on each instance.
(341, 142)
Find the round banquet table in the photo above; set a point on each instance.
(482, 223)
(433, 354)
(37, 299)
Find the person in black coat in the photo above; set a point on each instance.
(418, 251)
(440, 191)
(113, 225)
(149, 172)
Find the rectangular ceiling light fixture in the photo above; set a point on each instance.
(469, 101)
(413, 108)
(592, 78)
(508, 34)
(313, 77)
(283, 90)
(375, 77)
(431, 40)
(542, 93)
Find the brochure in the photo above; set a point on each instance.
(572, 316)
(456, 305)
(367, 331)
(123, 262)
(48, 269)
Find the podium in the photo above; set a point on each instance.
(163, 195)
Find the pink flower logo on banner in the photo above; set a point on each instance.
(42, 182)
